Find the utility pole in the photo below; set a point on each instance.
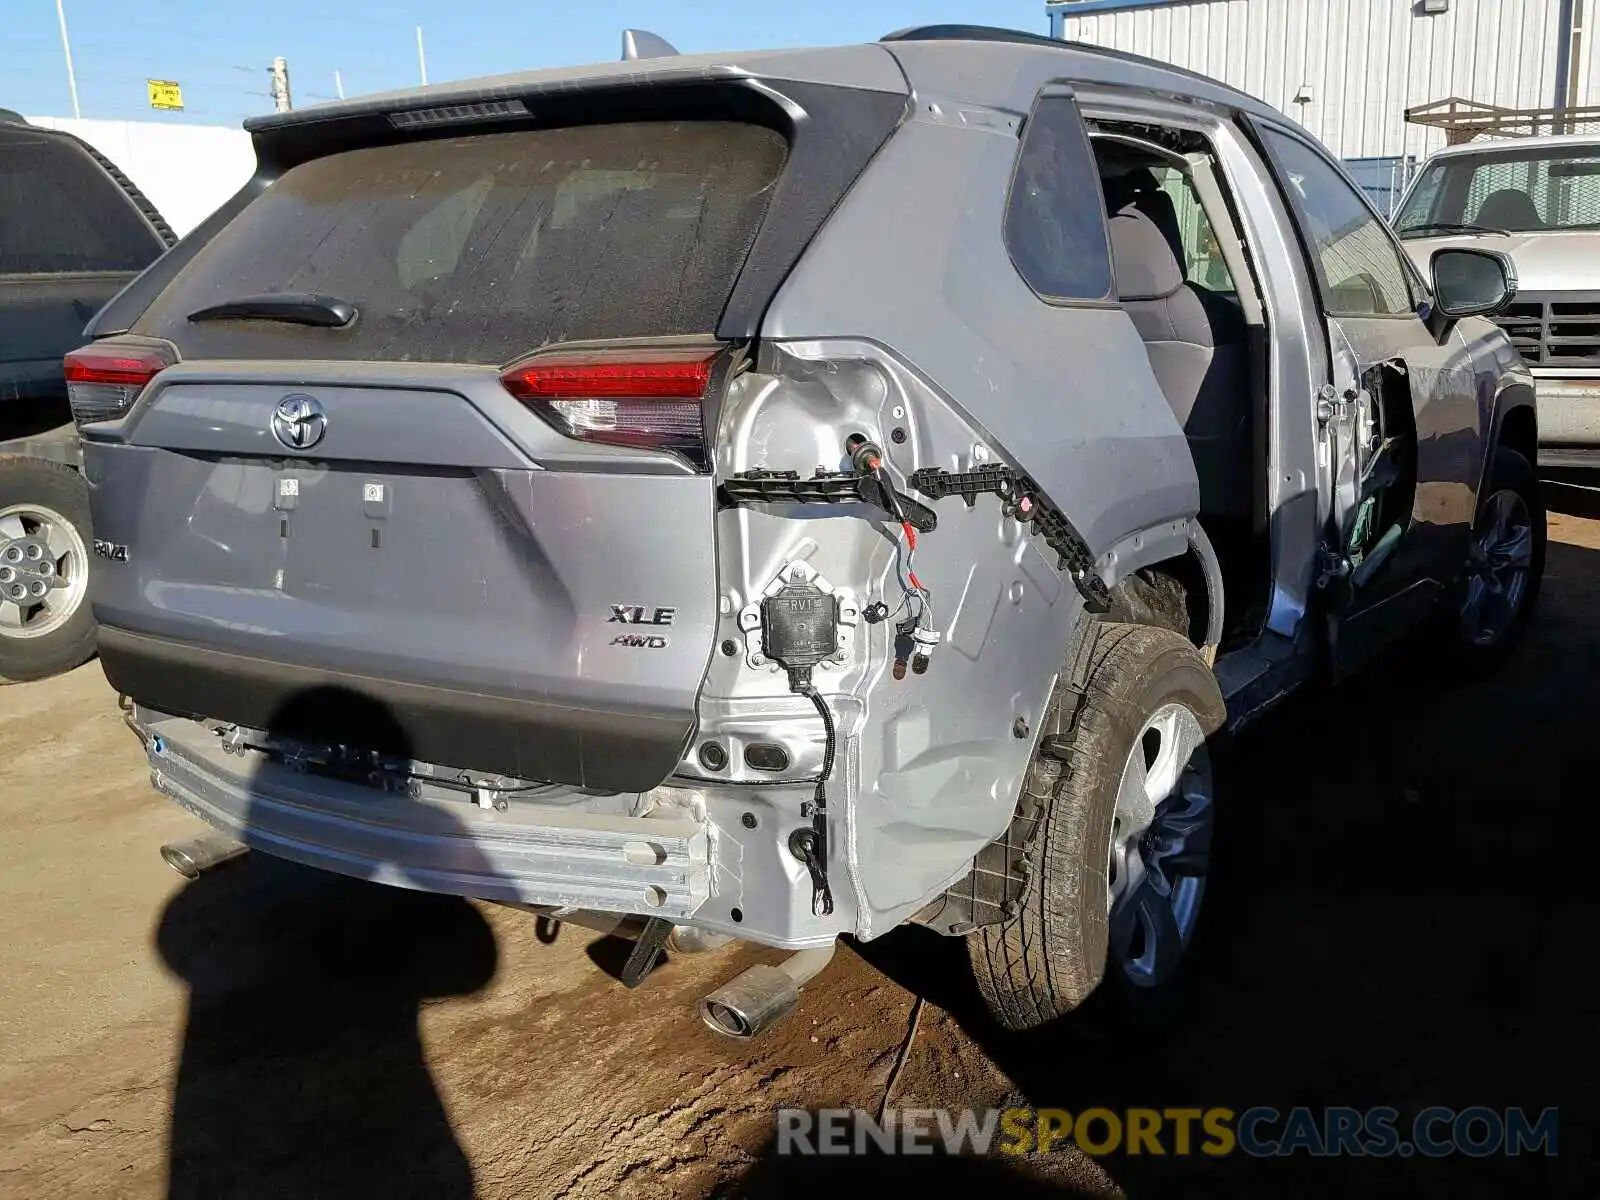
(422, 59)
(66, 47)
(280, 86)
(338, 84)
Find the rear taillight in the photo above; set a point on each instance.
(627, 397)
(103, 381)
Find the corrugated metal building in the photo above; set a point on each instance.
(1348, 69)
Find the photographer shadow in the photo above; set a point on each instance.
(302, 1070)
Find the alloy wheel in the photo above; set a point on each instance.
(1160, 846)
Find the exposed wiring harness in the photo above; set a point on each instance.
(810, 845)
(918, 637)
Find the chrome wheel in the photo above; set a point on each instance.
(44, 571)
(1160, 846)
(1498, 567)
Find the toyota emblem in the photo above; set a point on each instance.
(299, 422)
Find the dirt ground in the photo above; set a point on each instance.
(1403, 903)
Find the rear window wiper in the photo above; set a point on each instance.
(1451, 227)
(295, 308)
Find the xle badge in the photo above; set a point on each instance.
(638, 614)
(634, 614)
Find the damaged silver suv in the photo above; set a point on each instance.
(782, 495)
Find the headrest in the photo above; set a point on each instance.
(1509, 207)
(1140, 188)
(1146, 266)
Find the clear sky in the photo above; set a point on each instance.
(219, 50)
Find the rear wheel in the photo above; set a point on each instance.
(1117, 867)
(46, 626)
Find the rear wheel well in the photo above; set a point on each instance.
(1519, 431)
(1170, 594)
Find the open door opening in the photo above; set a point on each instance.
(1185, 279)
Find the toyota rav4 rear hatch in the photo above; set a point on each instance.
(424, 422)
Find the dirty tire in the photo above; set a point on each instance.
(1047, 960)
(1462, 659)
(25, 481)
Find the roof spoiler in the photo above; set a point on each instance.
(641, 43)
(7, 115)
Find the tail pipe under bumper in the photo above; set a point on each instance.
(758, 998)
(194, 856)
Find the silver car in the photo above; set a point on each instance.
(780, 495)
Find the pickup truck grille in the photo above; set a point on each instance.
(1554, 330)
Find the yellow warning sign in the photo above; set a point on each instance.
(164, 93)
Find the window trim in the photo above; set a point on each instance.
(1059, 90)
(1416, 291)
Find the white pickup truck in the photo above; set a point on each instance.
(1538, 200)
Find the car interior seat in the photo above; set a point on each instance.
(1508, 208)
(1196, 340)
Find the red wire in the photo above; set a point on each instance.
(911, 543)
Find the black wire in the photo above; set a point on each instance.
(817, 861)
(889, 494)
(821, 781)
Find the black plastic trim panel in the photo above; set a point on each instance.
(1021, 499)
(524, 737)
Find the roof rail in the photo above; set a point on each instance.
(641, 43)
(992, 33)
(970, 33)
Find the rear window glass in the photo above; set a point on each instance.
(479, 249)
(1055, 219)
(60, 213)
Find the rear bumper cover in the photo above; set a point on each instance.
(547, 854)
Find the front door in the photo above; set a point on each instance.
(1398, 421)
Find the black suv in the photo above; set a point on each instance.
(73, 231)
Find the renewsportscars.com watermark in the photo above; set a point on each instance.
(1259, 1132)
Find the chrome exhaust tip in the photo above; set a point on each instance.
(195, 856)
(756, 999)
(750, 1003)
